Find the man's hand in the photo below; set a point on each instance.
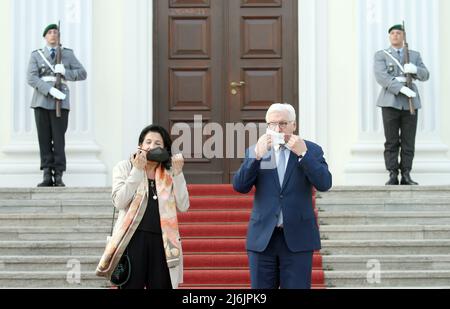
(263, 146)
(408, 92)
(177, 164)
(410, 68)
(60, 69)
(57, 94)
(296, 145)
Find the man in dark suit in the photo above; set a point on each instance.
(282, 232)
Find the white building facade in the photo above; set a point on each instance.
(114, 41)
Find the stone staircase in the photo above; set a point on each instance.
(386, 237)
(50, 235)
(53, 237)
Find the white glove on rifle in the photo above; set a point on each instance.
(410, 68)
(408, 92)
(60, 69)
(401, 79)
(57, 94)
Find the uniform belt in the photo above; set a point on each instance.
(51, 79)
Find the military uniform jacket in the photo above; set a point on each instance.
(39, 70)
(386, 71)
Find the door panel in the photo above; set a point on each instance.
(201, 47)
(263, 55)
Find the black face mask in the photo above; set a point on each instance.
(158, 155)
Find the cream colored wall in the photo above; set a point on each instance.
(5, 73)
(342, 85)
(445, 72)
(107, 79)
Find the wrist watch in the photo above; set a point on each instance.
(302, 154)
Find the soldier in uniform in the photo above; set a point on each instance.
(51, 130)
(399, 125)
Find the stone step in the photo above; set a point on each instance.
(54, 233)
(48, 263)
(67, 193)
(328, 232)
(56, 206)
(46, 279)
(388, 204)
(386, 262)
(385, 247)
(384, 218)
(52, 248)
(374, 232)
(383, 192)
(56, 220)
(359, 279)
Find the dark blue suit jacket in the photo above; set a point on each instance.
(294, 197)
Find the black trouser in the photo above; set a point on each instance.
(51, 135)
(400, 131)
(148, 262)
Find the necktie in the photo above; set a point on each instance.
(400, 55)
(281, 169)
(52, 53)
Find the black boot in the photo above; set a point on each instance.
(406, 179)
(393, 178)
(58, 179)
(48, 181)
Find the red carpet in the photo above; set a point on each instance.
(213, 234)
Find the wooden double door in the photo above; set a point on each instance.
(221, 62)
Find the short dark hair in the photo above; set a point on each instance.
(166, 139)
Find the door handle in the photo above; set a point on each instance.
(235, 86)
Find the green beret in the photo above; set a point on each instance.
(396, 27)
(50, 27)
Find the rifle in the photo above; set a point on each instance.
(58, 82)
(409, 78)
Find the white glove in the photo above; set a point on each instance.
(410, 68)
(57, 94)
(60, 69)
(408, 92)
(401, 79)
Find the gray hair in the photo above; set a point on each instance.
(282, 107)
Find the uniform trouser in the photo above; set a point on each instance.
(400, 129)
(148, 262)
(51, 135)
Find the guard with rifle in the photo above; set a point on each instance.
(48, 70)
(395, 70)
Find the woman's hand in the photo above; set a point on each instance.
(177, 164)
(140, 160)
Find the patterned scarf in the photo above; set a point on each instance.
(123, 233)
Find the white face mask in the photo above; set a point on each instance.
(277, 138)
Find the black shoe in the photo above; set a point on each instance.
(393, 178)
(48, 181)
(406, 179)
(58, 179)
